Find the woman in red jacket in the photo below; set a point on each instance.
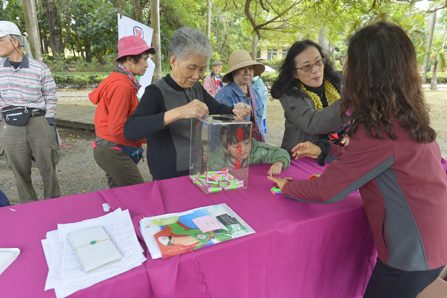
(392, 158)
(116, 98)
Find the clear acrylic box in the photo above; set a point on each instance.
(220, 153)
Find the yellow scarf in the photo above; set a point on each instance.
(331, 95)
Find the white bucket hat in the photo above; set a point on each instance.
(241, 59)
(7, 28)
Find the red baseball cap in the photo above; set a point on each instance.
(132, 45)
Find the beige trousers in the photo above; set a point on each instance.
(37, 139)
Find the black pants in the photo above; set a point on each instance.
(389, 282)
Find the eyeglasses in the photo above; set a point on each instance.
(7, 37)
(309, 67)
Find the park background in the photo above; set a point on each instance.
(77, 36)
(78, 41)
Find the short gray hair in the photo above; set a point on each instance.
(186, 41)
(19, 38)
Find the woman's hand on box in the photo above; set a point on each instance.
(242, 110)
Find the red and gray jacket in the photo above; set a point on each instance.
(403, 186)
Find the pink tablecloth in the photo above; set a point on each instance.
(299, 249)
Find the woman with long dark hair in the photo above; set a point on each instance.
(392, 158)
(309, 91)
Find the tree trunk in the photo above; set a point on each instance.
(74, 54)
(323, 41)
(430, 39)
(208, 18)
(32, 27)
(254, 46)
(137, 11)
(44, 46)
(55, 30)
(139, 5)
(68, 21)
(155, 23)
(80, 49)
(434, 79)
(88, 53)
(208, 26)
(100, 56)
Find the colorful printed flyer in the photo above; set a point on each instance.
(172, 234)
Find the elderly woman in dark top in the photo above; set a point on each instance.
(309, 91)
(164, 112)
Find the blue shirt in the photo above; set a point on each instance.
(258, 85)
(231, 94)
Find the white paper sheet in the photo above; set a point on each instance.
(65, 273)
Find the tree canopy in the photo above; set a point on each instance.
(87, 30)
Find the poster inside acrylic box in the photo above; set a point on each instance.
(220, 153)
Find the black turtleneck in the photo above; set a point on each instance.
(320, 92)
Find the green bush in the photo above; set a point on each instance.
(81, 65)
(269, 78)
(92, 66)
(78, 80)
(276, 64)
(109, 63)
(47, 59)
(441, 77)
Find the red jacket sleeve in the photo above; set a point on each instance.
(120, 108)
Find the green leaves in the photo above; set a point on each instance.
(89, 28)
(78, 80)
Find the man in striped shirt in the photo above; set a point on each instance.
(28, 105)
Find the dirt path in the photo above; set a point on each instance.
(437, 101)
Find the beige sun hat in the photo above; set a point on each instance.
(241, 59)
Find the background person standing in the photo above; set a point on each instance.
(239, 78)
(28, 104)
(258, 85)
(116, 99)
(213, 82)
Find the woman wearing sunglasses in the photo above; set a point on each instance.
(309, 91)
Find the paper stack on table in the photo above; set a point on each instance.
(66, 275)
